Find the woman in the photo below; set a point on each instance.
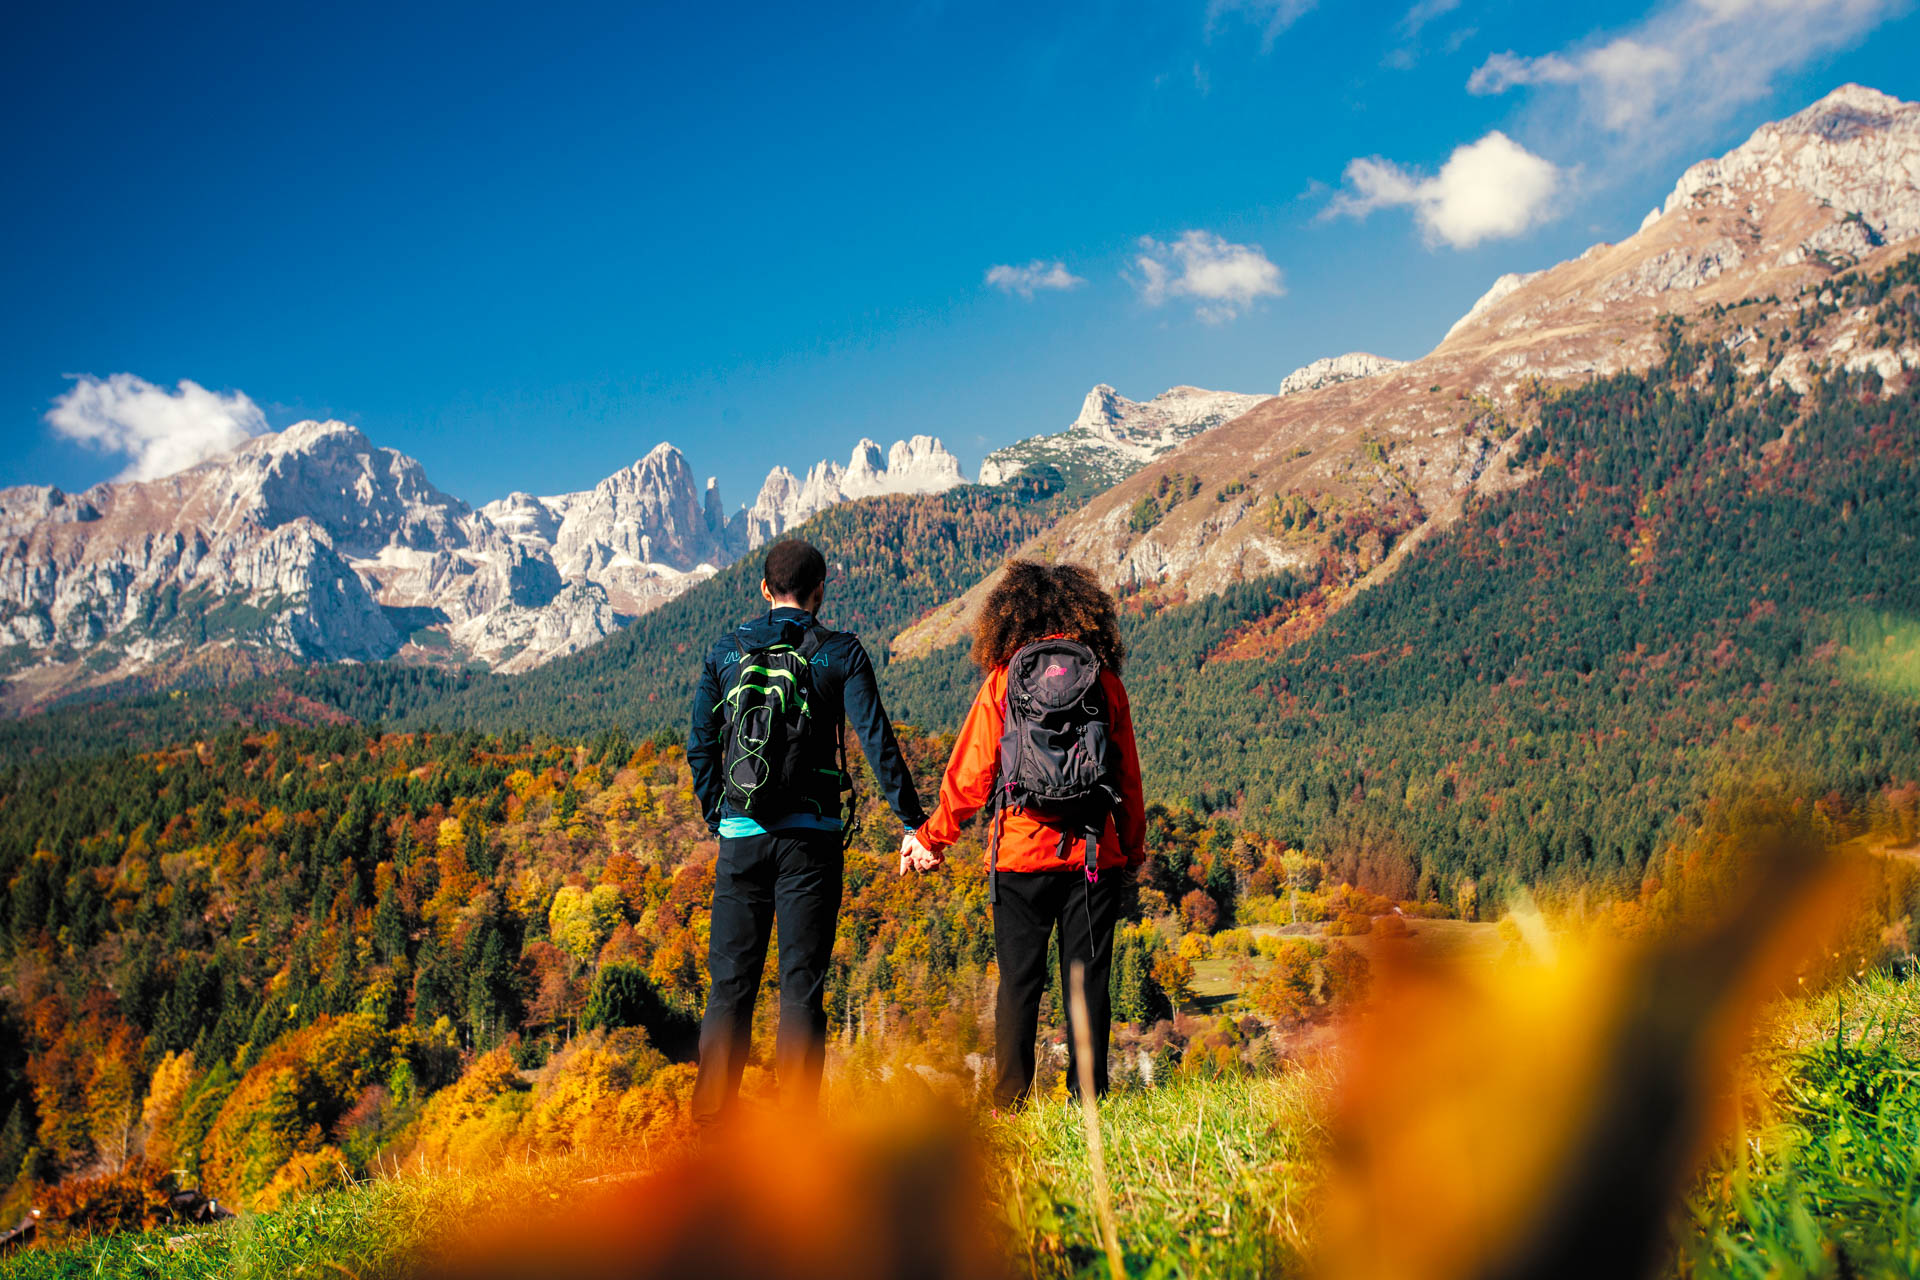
(1059, 863)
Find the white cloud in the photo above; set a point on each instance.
(1503, 71)
(1689, 66)
(1220, 278)
(1036, 275)
(1423, 12)
(1272, 16)
(1487, 190)
(160, 431)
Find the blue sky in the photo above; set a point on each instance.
(525, 243)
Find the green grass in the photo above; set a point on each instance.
(1210, 1178)
(1823, 1180)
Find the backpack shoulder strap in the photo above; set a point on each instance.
(815, 639)
(729, 667)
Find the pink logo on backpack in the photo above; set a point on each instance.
(1055, 670)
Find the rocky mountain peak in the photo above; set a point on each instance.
(920, 464)
(924, 463)
(1846, 112)
(1101, 409)
(662, 468)
(314, 433)
(648, 514)
(1113, 436)
(1855, 151)
(365, 497)
(1328, 370)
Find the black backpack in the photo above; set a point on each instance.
(1057, 756)
(772, 744)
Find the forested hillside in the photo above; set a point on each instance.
(1709, 581)
(277, 956)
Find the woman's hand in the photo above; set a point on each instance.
(915, 856)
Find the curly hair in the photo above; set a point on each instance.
(1033, 600)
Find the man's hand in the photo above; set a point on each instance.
(915, 856)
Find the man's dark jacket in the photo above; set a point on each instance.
(844, 690)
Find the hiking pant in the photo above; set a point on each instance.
(793, 877)
(1031, 905)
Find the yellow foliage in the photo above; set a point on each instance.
(578, 1099)
(353, 1052)
(1233, 942)
(579, 922)
(1175, 976)
(474, 1118)
(608, 1089)
(164, 1095)
(132, 876)
(451, 835)
(110, 1110)
(528, 889)
(277, 1111)
(262, 1124)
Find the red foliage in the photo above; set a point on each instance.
(1199, 912)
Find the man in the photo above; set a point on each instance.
(785, 861)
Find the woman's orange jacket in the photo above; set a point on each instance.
(1026, 843)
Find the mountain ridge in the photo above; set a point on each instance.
(1343, 479)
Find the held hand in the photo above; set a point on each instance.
(917, 856)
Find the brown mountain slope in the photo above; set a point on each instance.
(1342, 480)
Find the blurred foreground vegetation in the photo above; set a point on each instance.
(1218, 1177)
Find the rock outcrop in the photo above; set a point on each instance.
(918, 465)
(1114, 436)
(1331, 369)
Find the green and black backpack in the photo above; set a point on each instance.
(777, 756)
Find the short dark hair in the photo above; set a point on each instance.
(794, 568)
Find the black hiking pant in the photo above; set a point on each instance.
(793, 877)
(1032, 904)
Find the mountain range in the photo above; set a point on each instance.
(315, 545)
